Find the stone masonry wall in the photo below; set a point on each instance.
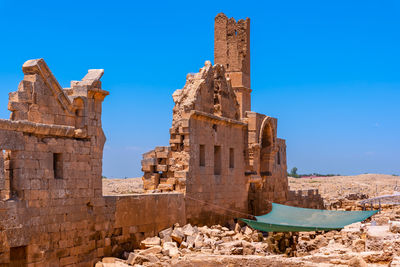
(232, 50)
(206, 92)
(51, 205)
(306, 199)
(225, 158)
(218, 178)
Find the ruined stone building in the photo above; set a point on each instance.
(52, 210)
(220, 151)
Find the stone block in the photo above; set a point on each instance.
(150, 154)
(161, 149)
(148, 168)
(184, 130)
(165, 187)
(161, 168)
(150, 242)
(176, 140)
(162, 154)
(171, 181)
(148, 162)
(181, 174)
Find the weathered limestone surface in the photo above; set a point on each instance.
(225, 158)
(52, 212)
(223, 161)
(232, 50)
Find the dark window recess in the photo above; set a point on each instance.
(8, 191)
(58, 166)
(217, 160)
(231, 158)
(267, 173)
(11, 190)
(279, 158)
(18, 256)
(202, 155)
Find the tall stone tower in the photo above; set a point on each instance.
(232, 49)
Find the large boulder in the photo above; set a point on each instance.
(394, 227)
(237, 228)
(150, 242)
(247, 231)
(136, 259)
(358, 245)
(165, 233)
(170, 249)
(231, 248)
(189, 230)
(248, 248)
(357, 261)
(190, 240)
(152, 250)
(177, 235)
(199, 242)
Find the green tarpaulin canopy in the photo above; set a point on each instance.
(291, 219)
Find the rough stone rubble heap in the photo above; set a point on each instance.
(358, 244)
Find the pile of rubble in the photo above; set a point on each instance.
(176, 242)
(359, 244)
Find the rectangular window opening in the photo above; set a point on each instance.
(58, 166)
(4, 183)
(231, 158)
(18, 256)
(279, 158)
(202, 155)
(217, 160)
(6, 176)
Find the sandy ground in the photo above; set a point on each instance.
(113, 187)
(329, 187)
(336, 187)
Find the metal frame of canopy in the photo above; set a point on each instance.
(393, 199)
(284, 218)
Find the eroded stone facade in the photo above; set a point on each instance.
(52, 211)
(220, 152)
(224, 161)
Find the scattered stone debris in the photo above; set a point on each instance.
(376, 242)
(176, 242)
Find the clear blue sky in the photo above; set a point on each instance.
(328, 70)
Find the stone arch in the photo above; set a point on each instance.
(267, 142)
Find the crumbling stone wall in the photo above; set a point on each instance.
(223, 161)
(226, 159)
(266, 169)
(306, 199)
(52, 212)
(219, 180)
(232, 50)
